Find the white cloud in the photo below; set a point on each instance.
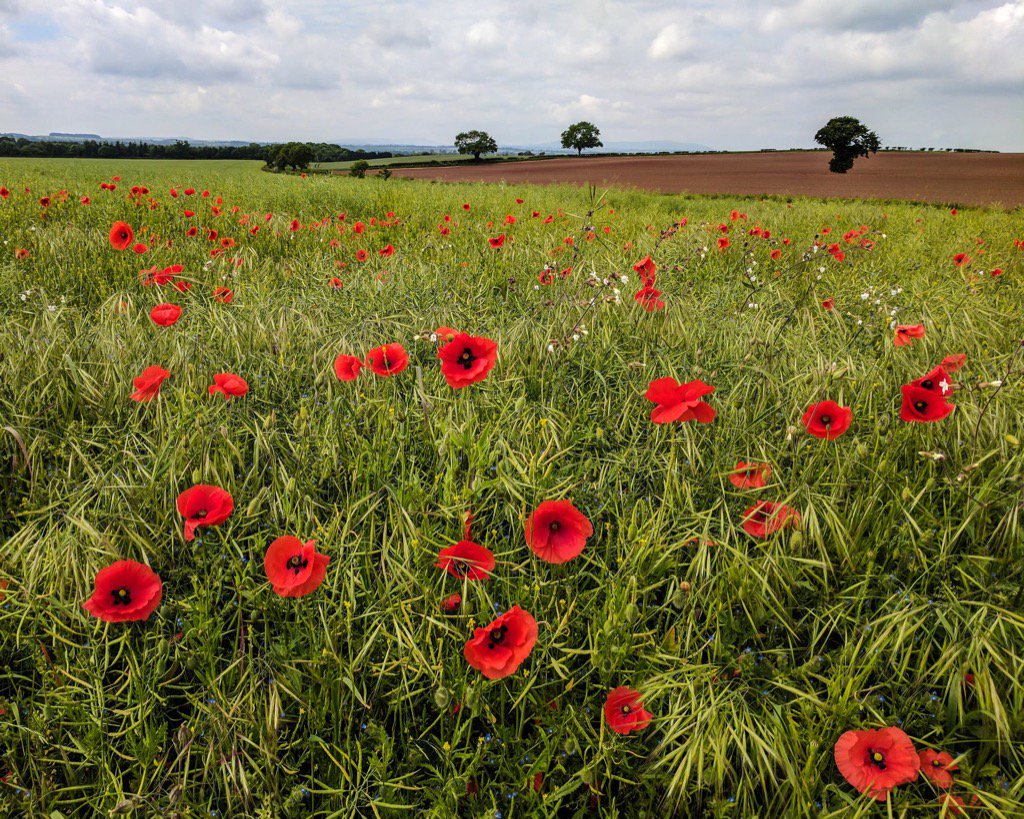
(671, 42)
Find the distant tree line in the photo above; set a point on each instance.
(289, 153)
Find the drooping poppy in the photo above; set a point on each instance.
(938, 768)
(229, 385)
(387, 250)
(876, 761)
(954, 362)
(906, 333)
(750, 475)
(164, 315)
(204, 505)
(624, 711)
(347, 367)
(387, 359)
(451, 603)
(121, 235)
(646, 268)
(829, 304)
(147, 385)
(224, 295)
(923, 405)
(497, 242)
(467, 359)
(497, 650)
(294, 568)
(125, 590)
(765, 518)
(649, 297)
(679, 402)
(827, 420)
(557, 531)
(466, 560)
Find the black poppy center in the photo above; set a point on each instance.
(878, 758)
(920, 406)
(554, 526)
(826, 420)
(200, 515)
(459, 566)
(297, 563)
(626, 709)
(497, 636)
(122, 596)
(467, 358)
(936, 763)
(927, 384)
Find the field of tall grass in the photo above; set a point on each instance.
(891, 597)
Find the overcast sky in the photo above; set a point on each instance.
(729, 74)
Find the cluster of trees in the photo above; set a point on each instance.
(578, 137)
(291, 154)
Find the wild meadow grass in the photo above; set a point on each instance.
(897, 601)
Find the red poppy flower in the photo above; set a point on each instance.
(451, 602)
(923, 405)
(723, 242)
(204, 505)
(466, 559)
(875, 762)
(649, 298)
(147, 385)
(125, 590)
(140, 248)
(387, 359)
(500, 648)
(954, 362)
(45, 201)
(679, 402)
(224, 295)
(4, 193)
(960, 259)
(906, 332)
(466, 206)
(387, 250)
(164, 315)
(294, 568)
(557, 531)
(646, 268)
(829, 304)
(765, 518)
(937, 767)
(827, 420)
(362, 255)
(776, 254)
(750, 475)
(624, 711)
(498, 241)
(467, 359)
(192, 231)
(936, 381)
(21, 253)
(347, 367)
(229, 385)
(121, 235)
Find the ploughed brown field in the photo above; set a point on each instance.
(967, 179)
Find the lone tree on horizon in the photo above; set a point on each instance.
(475, 143)
(581, 135)
(847, 138)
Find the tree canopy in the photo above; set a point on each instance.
(581, 135)
(475, 143)
(847, 138)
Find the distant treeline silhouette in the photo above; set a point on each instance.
(94, 149)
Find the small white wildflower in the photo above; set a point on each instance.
(860, 322)
(433, 337)
(52, 308)
(945, 386)
(864, 296)
(536, 287)
(821, 269)
(551, 348)
(575, 336)
(605, 282)
(624, 279)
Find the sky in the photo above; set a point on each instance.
(730, 74)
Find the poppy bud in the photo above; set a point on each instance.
(442, 697)
(631, 612)
(197, 476)
(796, 540)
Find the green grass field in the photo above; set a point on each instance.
(897, 601)
(395, 160)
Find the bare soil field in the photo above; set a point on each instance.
(965, 179)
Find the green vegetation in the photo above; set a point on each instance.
(580, 136)
(847, 138)
(753, 655)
